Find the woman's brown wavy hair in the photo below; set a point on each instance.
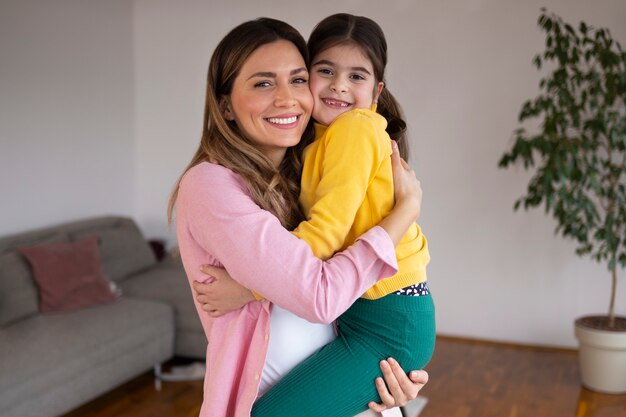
(273, 189)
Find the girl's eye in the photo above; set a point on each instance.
(325, 71)
(357, 77)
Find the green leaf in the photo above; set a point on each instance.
(611, 264)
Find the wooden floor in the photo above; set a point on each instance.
(467, 379)
(478, 379)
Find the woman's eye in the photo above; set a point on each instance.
(300, 80)
(263, 84)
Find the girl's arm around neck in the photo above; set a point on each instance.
(336, 180)
(408, 195)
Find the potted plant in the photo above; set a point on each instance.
(578, 157)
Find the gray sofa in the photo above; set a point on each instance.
(52, 363)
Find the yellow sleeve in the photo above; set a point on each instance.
(355, 146)
(257, 296)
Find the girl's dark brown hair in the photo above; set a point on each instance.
(275, 190)
(347, 29)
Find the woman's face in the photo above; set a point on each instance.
(270, 99)
(342, 79)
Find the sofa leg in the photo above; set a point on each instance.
(157, 377)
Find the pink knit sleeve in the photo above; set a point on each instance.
(264, 257)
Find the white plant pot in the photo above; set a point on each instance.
(602, 357)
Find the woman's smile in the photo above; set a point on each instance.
(284, 122)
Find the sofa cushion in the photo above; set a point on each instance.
(166, 282)
(51, 363)
(69, 275)
(18, 293)
(124, 251)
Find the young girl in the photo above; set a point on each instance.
(346, 189)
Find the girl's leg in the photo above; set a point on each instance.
(338, 380)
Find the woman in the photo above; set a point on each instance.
(346, 189)
(238, 197)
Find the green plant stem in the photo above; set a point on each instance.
(612, 303)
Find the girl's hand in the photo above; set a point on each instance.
(399, 388)
(407, 188)
(223, 294)
(408, 195)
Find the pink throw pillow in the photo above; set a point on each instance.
(69, 275)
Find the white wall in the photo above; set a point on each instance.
(101, 108)
(66, 111)
(461, 70)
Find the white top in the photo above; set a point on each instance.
(292, 340)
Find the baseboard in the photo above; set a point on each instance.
(504, 344)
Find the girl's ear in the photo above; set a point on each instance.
(379, 90)
(226, 109)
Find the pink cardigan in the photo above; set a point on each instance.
(218, 223)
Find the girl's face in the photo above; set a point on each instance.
(342, 79)
(270, 99)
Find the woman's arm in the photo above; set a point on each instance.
(224, 295)
(215, 211)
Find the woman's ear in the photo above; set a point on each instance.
(378, 91)
(226, 109)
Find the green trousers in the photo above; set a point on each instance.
(338, 380)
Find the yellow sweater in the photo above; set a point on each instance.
(347, 188)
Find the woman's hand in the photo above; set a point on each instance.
(399, 388)
(223, 294)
